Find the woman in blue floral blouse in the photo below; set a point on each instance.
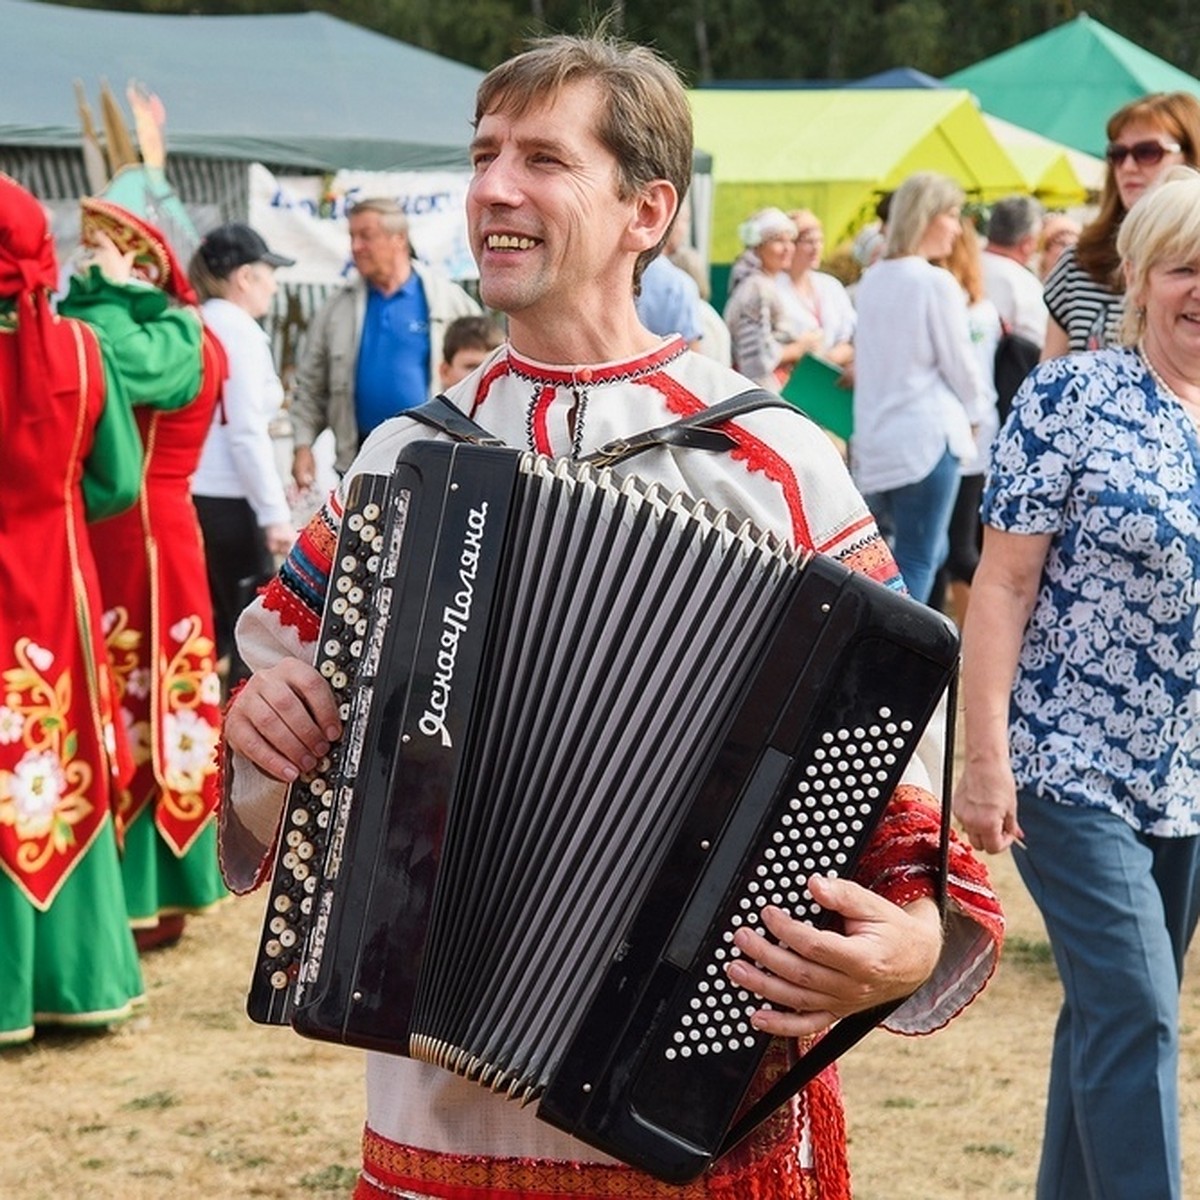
(1082, 702)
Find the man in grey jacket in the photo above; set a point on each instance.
(373, 349)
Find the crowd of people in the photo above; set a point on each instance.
(1055, 509)
(162, 611)
(932, 366)
(143, 506)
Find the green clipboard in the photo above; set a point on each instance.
(814, 389)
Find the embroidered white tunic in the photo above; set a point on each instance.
(784, 475)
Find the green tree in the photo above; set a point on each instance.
(715, 40)
(914, 31)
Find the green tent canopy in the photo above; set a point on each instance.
(837, 151)
(1066, 83)
(301, 90)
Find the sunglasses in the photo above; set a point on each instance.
(1145, 154)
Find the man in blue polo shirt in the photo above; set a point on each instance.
(374, 347)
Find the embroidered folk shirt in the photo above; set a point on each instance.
(785, 475)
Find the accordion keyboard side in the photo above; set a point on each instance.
(646, 649)
(367, 954)
(348, 657)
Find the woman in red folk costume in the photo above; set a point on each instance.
(66, 955)
(157, 610)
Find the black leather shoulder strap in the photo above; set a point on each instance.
(694, 432)
(443, 416)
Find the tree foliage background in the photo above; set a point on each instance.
(714, 40)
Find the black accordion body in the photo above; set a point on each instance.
(591, 728)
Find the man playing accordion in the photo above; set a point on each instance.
(582, 150)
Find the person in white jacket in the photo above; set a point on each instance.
(918, 387)
(237, 488)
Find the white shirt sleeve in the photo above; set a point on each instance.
(251, 398)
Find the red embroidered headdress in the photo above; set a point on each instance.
(153, 259)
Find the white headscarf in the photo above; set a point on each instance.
(767, 223)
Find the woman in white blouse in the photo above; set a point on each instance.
(918, 386)
(237, 489)
(815, 301)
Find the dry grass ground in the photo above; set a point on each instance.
(959, 1114)
(192, 1102)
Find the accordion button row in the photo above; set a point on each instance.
(345, 629)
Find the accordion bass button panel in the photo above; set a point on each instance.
(308, 814)
(817, 832)
(855, 690)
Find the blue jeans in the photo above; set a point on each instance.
(915, 519)
(1120, 909)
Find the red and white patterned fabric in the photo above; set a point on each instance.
(431, 1134)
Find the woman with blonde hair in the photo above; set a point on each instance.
(1080, 698)
(918, 386)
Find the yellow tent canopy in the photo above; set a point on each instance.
(1059, 176)
(1049, 175)
(837, 151)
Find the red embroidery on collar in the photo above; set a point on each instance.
(597, 375)
(754, 453)
(498, 370)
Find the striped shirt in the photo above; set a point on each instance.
(1087, 312)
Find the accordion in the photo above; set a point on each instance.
(590, 729)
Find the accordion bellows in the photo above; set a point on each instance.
(590, 729)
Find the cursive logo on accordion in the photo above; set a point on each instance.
(456, 617)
